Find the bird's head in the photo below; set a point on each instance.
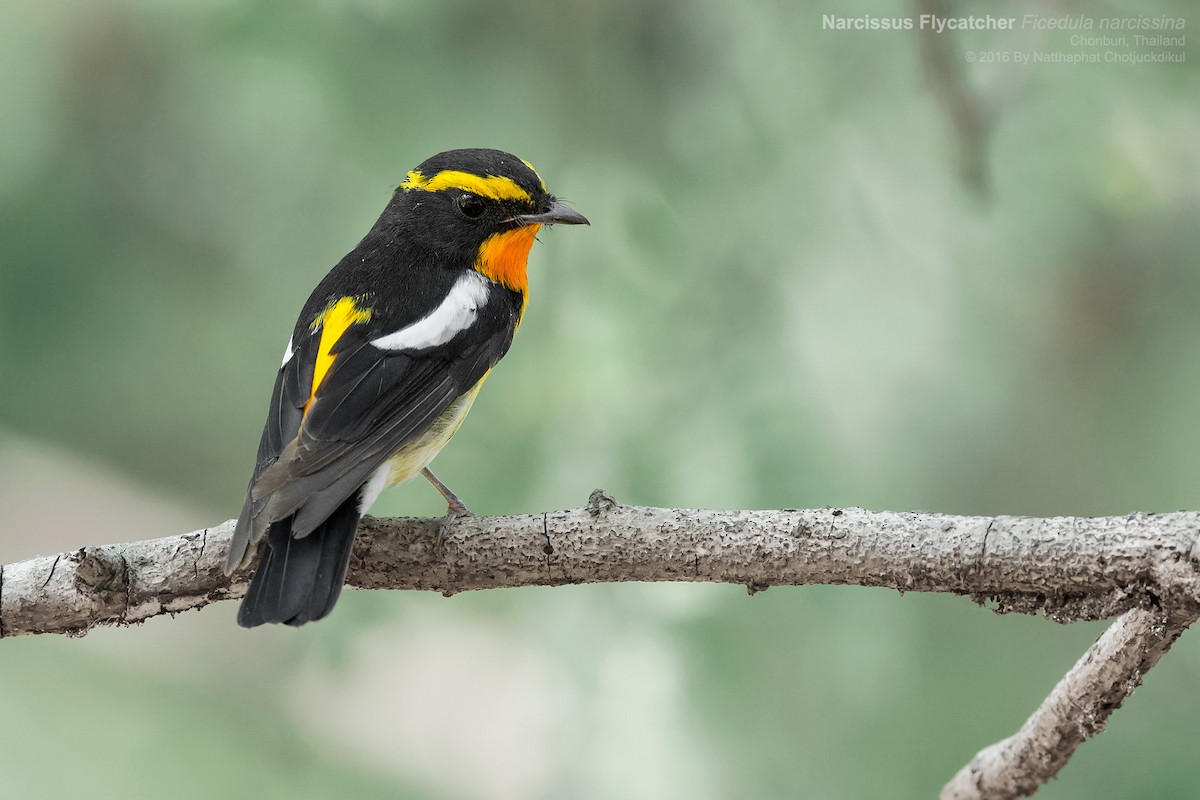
(480, 206)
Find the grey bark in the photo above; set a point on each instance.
(1077, 708)
(1143, 566)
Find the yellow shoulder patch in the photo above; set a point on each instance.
(495, 187)
(339, 315)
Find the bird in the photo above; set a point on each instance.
(382, 366)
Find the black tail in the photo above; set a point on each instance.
(298, 580)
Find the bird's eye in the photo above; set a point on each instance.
(471, 206)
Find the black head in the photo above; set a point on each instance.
(491, 187)
(493, 174)
(473, 207)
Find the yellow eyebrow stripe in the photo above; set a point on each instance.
(541, 182)
(495, 187)
(333, 322)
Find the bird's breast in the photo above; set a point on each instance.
(417, 453)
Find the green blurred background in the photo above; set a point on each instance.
(790, 296)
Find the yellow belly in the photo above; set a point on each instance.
(419, 452)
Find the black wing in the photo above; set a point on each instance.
(316, 453)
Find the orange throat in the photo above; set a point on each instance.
(504, 256)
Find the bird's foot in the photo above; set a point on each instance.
(453, 514)
(455, 510)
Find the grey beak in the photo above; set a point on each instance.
(559, 214)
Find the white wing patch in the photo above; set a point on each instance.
(287, 354)
(455, 314)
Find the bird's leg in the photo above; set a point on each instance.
(455, 509)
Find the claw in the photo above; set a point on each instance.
(440, 540)
(455, 509)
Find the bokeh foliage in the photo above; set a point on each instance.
(788, 297)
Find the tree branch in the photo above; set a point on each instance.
(1076, 709)
(1143, 566)
(942, 65)
(1070, 568)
